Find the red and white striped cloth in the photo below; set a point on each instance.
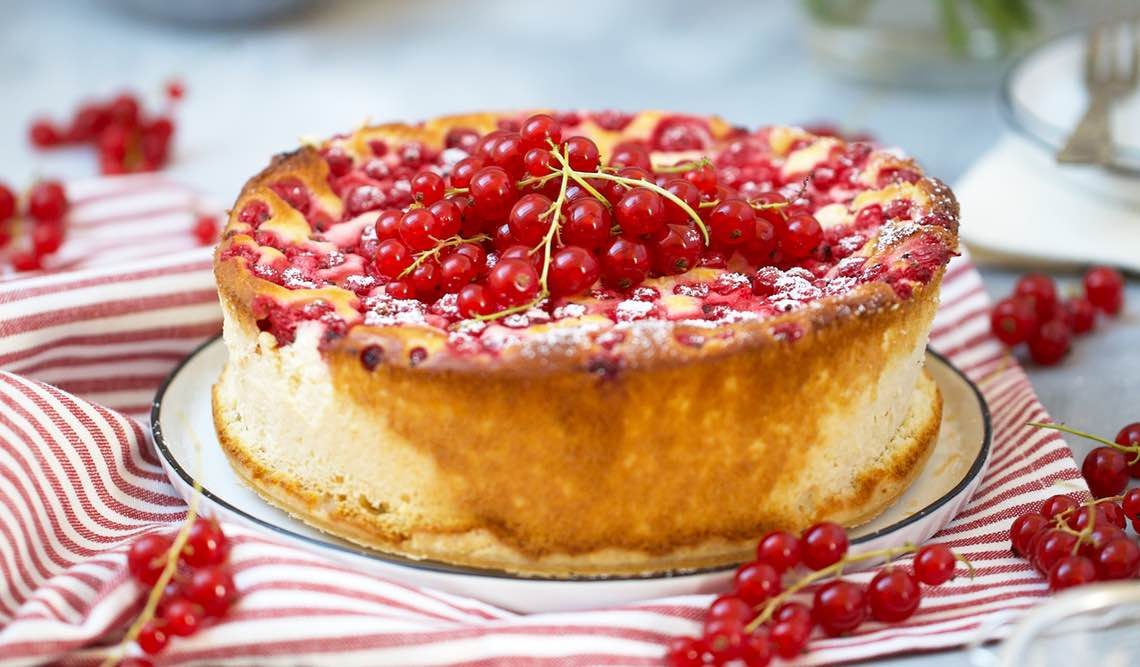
(82, 352)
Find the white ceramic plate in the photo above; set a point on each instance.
(181, 417)
(1044, 97)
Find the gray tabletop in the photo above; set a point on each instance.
(253, 91)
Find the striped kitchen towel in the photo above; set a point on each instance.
(82, 350)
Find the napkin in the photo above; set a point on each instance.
(82, 351)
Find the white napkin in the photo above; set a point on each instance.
(1017, 203)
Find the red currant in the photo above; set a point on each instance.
(152, 637)
(44, 134)
(1013, 320)
(294, 193)
(1104, 288)
(823, 544)
(1118, 558)
(779, 549)
(582, 154)
(212, 588)
(724, 639)
(572, 271)
(1023, 530)
(507, 152)
(800, 236)
(205, 544)
(839, 607)
(540, 131)
(530, 219)
(631, 154)
(934, 564)
(1080, 315)
(677, 251)
(392, 258)
(427, 187)
(1106, 471)
(1131, 503)
(254, 212)
(463, 138)
(417, 229)
(26, 261)
(147, 558)
(686, 192)
(1050, 343)
(492, 193)
(47, 238)
(47, 201)
(756, 583)
(1051, 546)
(425, 279)
(1071, 571)
(1129, 436)
(731, 223)
(182, 617)
(625, 264)
(730, 608)
(473, 301)
(640, 213)
(512, 282)
(587, 224)
(789, 638)
(685, 652)
(456, 270)
(206, 229)
(463, 170)
(7, 203)
(893, 595)
(757, 649)
(539, 162)
(703, 177)
(1039, 290)
(1058, 505)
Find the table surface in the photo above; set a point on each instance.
(253, 91)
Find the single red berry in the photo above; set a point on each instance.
(789, 638)
(1131, 503)
(582, 154)
(703, 177)
(540, 131)
(1071, 571)
(1050, 343)
(530, 218)
(7, 203)
(47, 238)
(685, 652)
(539, 162)
(448, 219)
(686, 192)
(1100, 536)
(823, 544)
(463, 170)
(631, 154)
(756, 583)
(1111, 512)
(1039, 290)
(572, 271)
(893, 595)
(512, 282)
(731, 223)
(934, 564)
(175, 89)
(26, 260)
(779, 549)
(640, 213)
(730, 608)
(473, 301)
(47, 201)
(182, 617)
(625, 264)
(1051, 546)
(587, 224)
(456, 270)
(678, 251)
(205, 229)
(1079, 314)
(800, 236)
(1024, 529)
(507, 152)
(475, 253)
(1058, 505)
(146, 558)
(45, 134)
(492, 193)
(152, 637)
(425, 279)
(463, 138)
(212, 588)
(427, 187)
(417, 229)
(392, 258)
(839, 607)
(1129, 436)
(89, 120)
(724, 639)
(1118, 558)
(1013, 320)
(206, 544)
(1106, 471)
(757, 649)
(124, 110)
(1104, 288)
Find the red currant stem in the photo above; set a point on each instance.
(683, 167)
(1127, 449)
(555, 221)
(709, 204)
(422, 257)
(962, 559)
(633, 182)
(836, 568)
(538, 180)
(456, 191)
(163, 579)
(521, 308)
(577, 178)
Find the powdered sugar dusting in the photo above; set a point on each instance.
(894, 232)
(630, 310)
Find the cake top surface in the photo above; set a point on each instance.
(577, 237)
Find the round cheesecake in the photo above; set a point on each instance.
(580, 343)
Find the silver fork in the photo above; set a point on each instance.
(1108, 76)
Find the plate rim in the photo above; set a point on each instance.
(447, 568)
(1015, 114)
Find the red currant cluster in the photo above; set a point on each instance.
(127, 139)
(1035, 315)
(1108, 467)
(190, 583)
(560, 220)
(40, 223)
(758, 620)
